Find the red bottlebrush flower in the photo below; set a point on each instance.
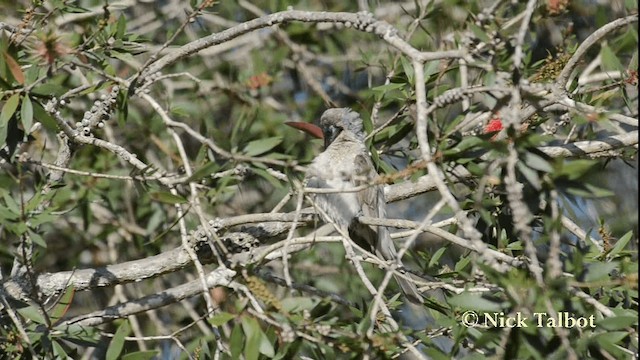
(493, 125)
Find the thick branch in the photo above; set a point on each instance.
(362, 21)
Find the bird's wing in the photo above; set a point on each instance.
(363, 174)
(373, 205)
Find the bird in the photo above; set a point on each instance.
(345, 163)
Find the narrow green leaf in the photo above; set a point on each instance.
(474, 301)
(121, 27)
(599, 271)
(26, 114)
(621, 243)
(49, 89)
(609, 59)
(408, 69)
(125, 57)
(252, 332)
(266, 347)
(537, 162)
(44, 117)
(617, 322)
(58, 350)
(466, 143)
(479, 33)
(575, 169)
(436, 257)
(44, 217)
(297, 304)
(117, 343)
(63, 304)
(460, 265)
(261, 146)
(204, 171)
(388, 87)
(221, 318)
(32, 314)
(608, 339)
(37, 239)
(235, 341)
(9, 109)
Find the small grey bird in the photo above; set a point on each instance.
(344, 164)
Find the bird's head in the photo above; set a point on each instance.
(335, 121)
(332, 123)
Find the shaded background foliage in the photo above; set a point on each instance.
(72, 60)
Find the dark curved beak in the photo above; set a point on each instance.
(309, 128)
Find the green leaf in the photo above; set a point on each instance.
(235, 341)
(479, 33)
(462, 263)
(591, 191)
(121, 27)
(26, 114)
(474, 301)
(167, 198)
(117, 343)
(297, 304)
(49, 90)
(11, 203)
(44, 117)
(252, 345)
(364, 325)
(608, 340)
(3, 135)
(621, 243)
(63, 304)
(575, 169)
(537, 162)
(599, 271)
(408, 69)
(388, 87)
(37, 239)
(617, 322)
(530, 174)
(204, 171)
(266, 347)
(261, 146)
(221, 318)
(609, 59)
(436, 257)
(270, 178)
(8, 110)
(466, 143)
(58, 350)
(39, 219)
(32, 314)
(125, 57)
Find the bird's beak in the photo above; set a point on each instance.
(310, 129)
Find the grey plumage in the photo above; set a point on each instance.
(344, 164)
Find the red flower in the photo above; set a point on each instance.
(493, 125)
